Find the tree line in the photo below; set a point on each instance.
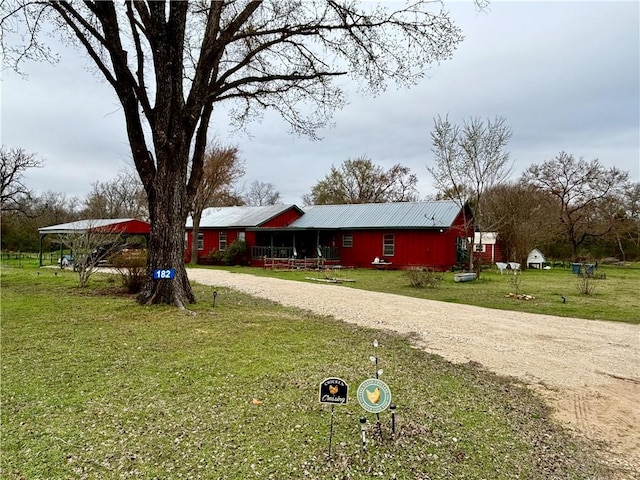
(568, 207)
(24, 211)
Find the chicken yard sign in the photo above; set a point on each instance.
(374, 395)
(334, 391)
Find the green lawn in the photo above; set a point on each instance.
(615, 297)
(95, 386)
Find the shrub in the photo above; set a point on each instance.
(236, 253)
(131, 265)
(215, 257)
(585, 284)
(423, 277)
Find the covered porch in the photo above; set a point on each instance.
(294, 249)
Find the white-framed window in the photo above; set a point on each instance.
(241, 236)
(200, 241)
(480, 248)
(388, 244)
(222, 241)
(347, 240)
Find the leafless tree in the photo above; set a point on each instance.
(15, 162)
(122, 197)
(90, 247)
(582, 189)
(222, 169)
(262, 193)
(361, 181)
(468, 160)
(169, 63)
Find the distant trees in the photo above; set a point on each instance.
(361, 181)
(521, 216)
(14, 163)
(583, 191)
(469, 159)
(122, 197)
(261, 193)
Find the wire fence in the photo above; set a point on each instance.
(28, 259)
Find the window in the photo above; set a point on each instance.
(479, 248)
(241, 236)
(222, 241)
(200, 241)
(388, 245)
(347, 240)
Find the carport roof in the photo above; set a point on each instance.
(129, 226)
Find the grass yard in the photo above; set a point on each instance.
(95, 386)
(616, 297)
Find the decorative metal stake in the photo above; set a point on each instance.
(331, 431)
(392, 407)
(215, 294)
(363, 421)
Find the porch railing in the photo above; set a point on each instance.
(328, 253)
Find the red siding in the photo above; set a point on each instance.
(131, 227)
(492, 254)
(429, 248)
(284, 219)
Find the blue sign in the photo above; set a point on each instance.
(164, 273)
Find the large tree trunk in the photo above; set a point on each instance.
(168, 209)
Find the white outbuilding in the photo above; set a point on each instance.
(536, 259)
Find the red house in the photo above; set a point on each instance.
(378, 235)
(221, 226)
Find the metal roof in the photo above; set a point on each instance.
(117, 224)
(433, 214)
(239, 217)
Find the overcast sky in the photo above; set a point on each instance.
(564, 75)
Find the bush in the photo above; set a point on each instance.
(423, 277)
(215, 257)
(236, 253)
(131, 265)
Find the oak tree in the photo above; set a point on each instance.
(582, 190)
(169, 63)
(361, 181)
(14, 162)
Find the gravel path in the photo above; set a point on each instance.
(589, 370)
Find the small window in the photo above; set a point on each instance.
(200, 241)
(479, 248)
(347, 241)
(241, 236)
(388, 245)
(222, 243)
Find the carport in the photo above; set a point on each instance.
(122, 227)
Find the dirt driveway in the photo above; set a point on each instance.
(589, 370)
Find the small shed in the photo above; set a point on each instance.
(487, 247)
(536, 259)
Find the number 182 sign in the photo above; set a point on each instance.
(163, 273)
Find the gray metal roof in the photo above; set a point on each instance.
(239, 217)
(434, 214)
(82, 225)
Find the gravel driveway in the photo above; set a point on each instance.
(589, 370)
